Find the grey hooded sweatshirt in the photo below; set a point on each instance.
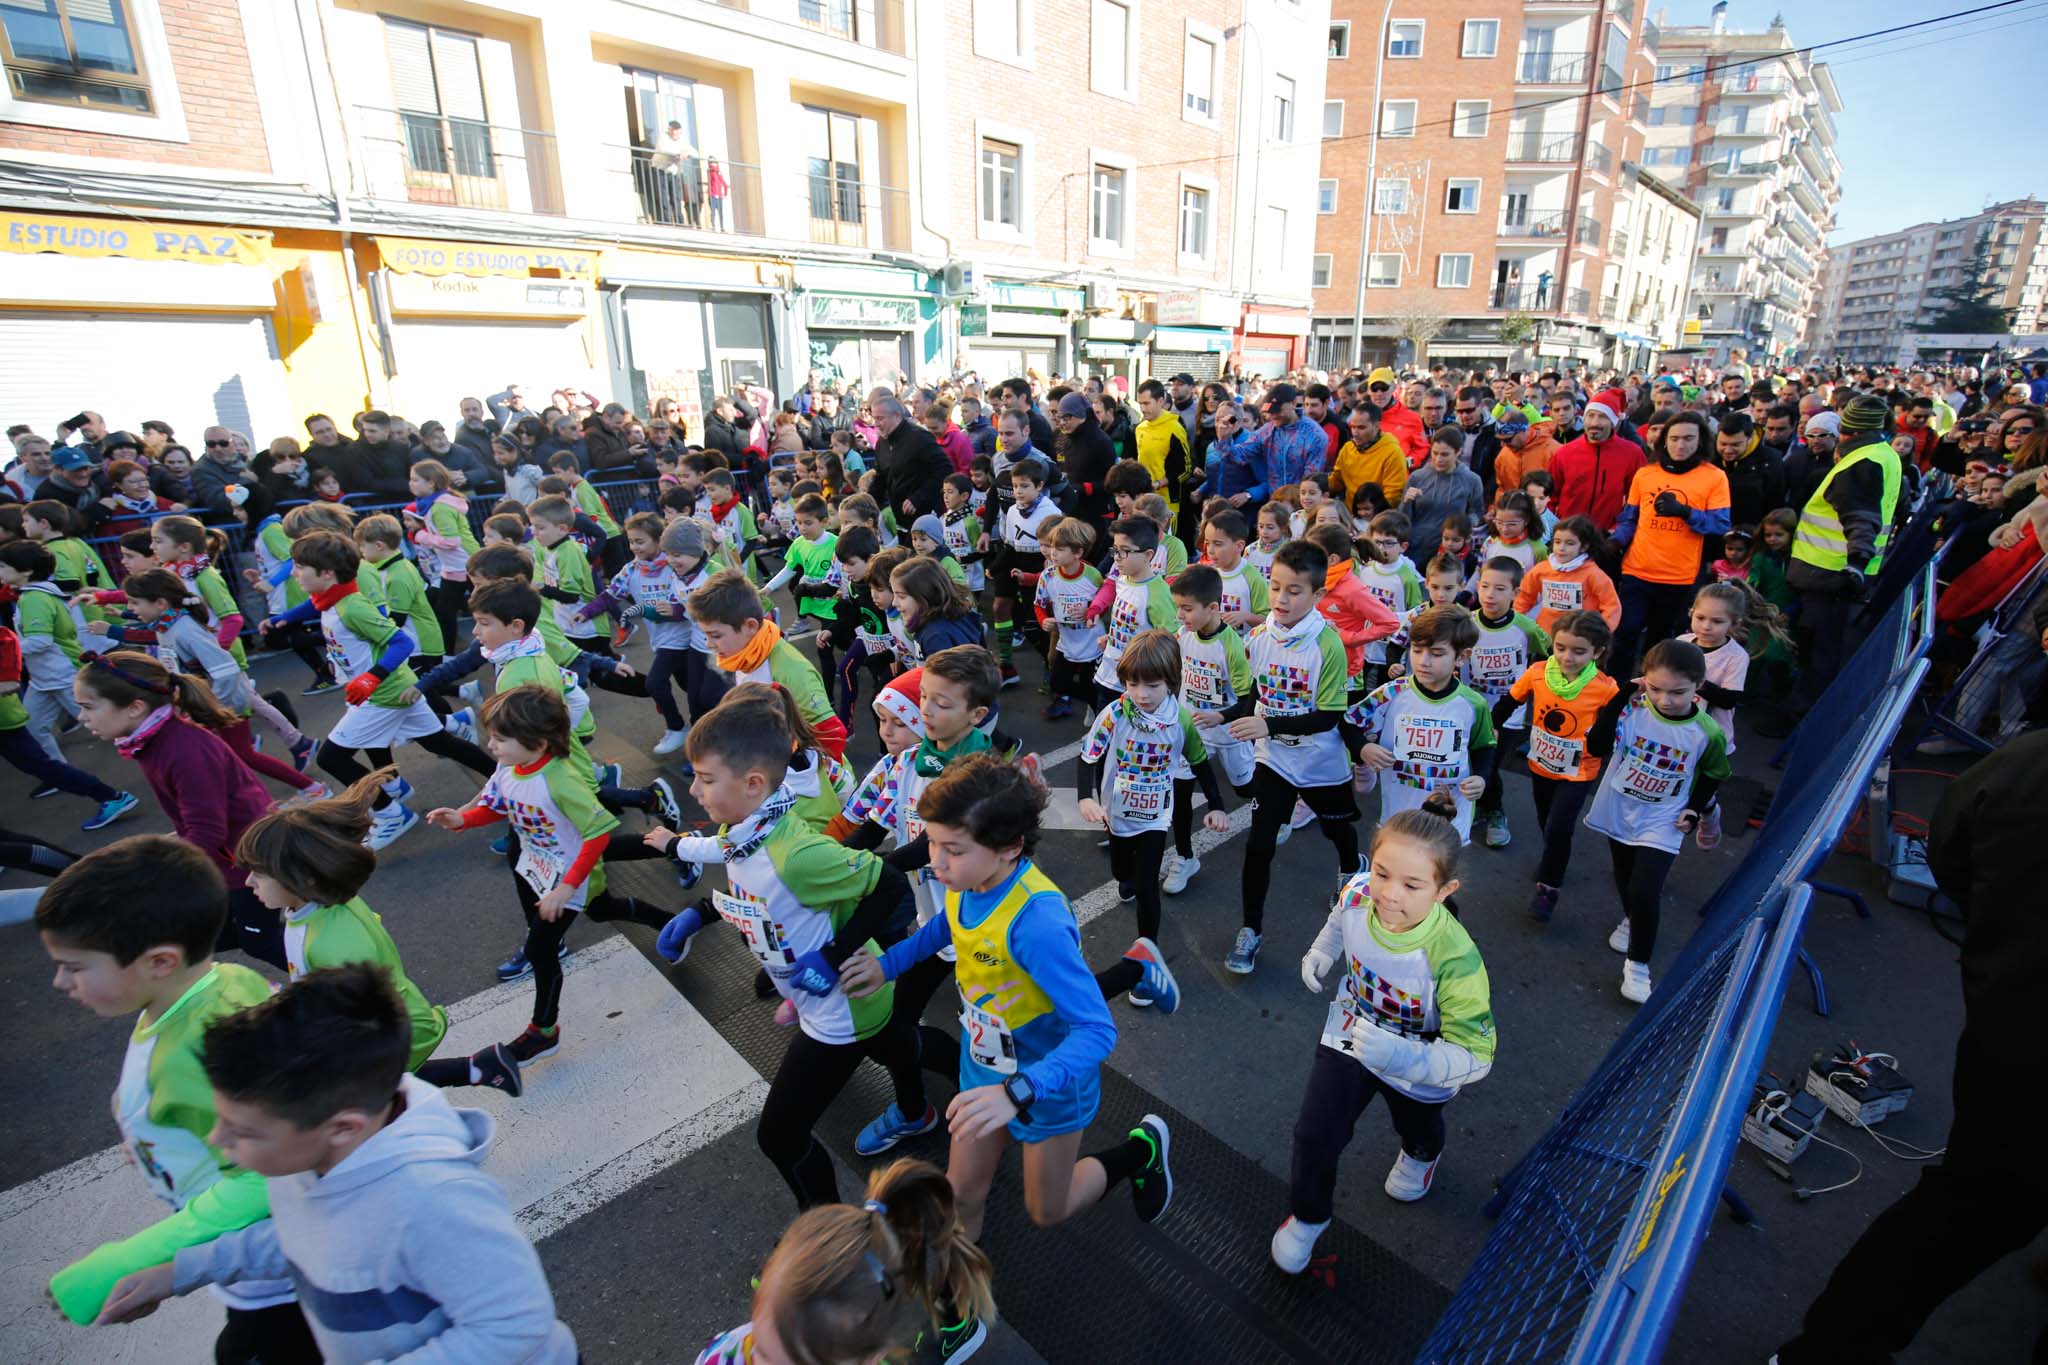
(404, 1251)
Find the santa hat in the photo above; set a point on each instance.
(899, 701)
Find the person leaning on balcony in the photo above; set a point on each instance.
(1372, 455)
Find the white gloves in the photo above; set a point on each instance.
(1315, 965)
(1441, 1063)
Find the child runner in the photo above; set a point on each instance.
(749, 646)
(1272, 532)
(866, 1283)
(1135, 598)
(1508, 643)
(734, 521)
(1021, 557)
(1669, 757)
(1389, 576)
(1412, 1021)
(1244, 598)
(166, 722)
(1131, 756)
(938, 612)
(1426, 730)
(1297, 663)
(382, 546)
(962, 526)
(132, 929)
(21, 750)
(805, 905)
(1035, 1030)
(438, 520)
(562, 832)
(1571, 704)
(928, 541)
(587, 500)
(373, 1189)
(1570, 578)
(1061, 602)
(1722, 617)
(668, 565)
(1215, 688)
(48, 640)
(858, 634)
(309, 863)
(1512, 517)
(811, 568)
(565, 577)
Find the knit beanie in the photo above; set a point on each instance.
(1866, 412)
(683, 537)
(930, 525)
(899, 700)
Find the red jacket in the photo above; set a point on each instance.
(204, 787)
(1359, 617)
(1592, 479)
(1404, 424)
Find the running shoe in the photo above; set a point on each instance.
(302, 752)
(46, 789)
(1635, 982)
(471, 692)
(1152, 1186)
(785, 1014)
(1010, 677)
(462, 725)
(534, 1044)
(671, 742)
(665, 803)
(889, 1127)
(621, 633)
(497, 1068)
(1303, 817)
(516, 966)
(1157, 988)
(1708, 835)
(1182, 873)
(1363, 779)
(320, 687)
(1126, 891)
(1543, 904)
(502, 845)
(1294, 1242)
(390, 825)
(608, 774)
(1497, 834)
(1410, 1177)
(962, 1339)
(1244, 954)
(398, 789)
(1059, 709)
(111, 809)
(1618, 940)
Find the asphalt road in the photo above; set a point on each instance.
(652, 1208)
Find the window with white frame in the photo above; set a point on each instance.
(1283, 109)
(1383, 270)
(1319, 271)
(1194, 221)
(1404, 38)
(1108, 205)
(1333, 118)
(1198, 78)
(1110, 47)
(1340, 39)
(1390, 196)
(1002, 196)
(1397, 118)
(1326, 196)
(1461, 195)
(1481, 38)
(1469, 118)
(1002, 30)
(1454, 270)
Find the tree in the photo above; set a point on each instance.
(1971, 303)
(1515, 329)
(1418, 327)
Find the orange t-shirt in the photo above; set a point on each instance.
(1558, 728)
(1667, 549)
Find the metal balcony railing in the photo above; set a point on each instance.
(679, 194)
(1578, 301)
(1618, 244)
(1610, 310)
(1552, 68)
(847, 212)
(1533, 225)
(1587, 232)
(1543, 147)
(429, 158)
(1754, 80)
(1599, 157)
(878, 24)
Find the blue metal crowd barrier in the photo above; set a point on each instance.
(1599, 1223)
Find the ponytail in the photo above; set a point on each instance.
(848, 1283)
(127, 676)
(1766, 624)
(315, 848)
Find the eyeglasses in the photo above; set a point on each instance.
(1380, 388)
(1130, 550)
(2019, 431)
(211, 445)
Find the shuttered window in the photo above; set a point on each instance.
(437, 83)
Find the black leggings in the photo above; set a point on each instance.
(277, 1335)
(544, 939)
(343, 766)
(1135, 859)
(811, 1076)
(702, 684)
(449, 597)
(303, 639)
(1639, 875)
(1650, 612)
(19, 748)
(1071, 678)
(1336, 813)
(879, 666)
(1338, 1091)
(1558, 804)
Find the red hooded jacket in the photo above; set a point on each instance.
(1592, 477)
(1404, 424)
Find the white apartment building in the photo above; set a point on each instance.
(1880, 290)
(1743, 123)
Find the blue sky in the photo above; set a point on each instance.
(1924, 131)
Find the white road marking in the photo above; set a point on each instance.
(642, 1081)
(1104, 898)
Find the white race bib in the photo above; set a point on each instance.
(988, 1040)
(1143, 799)
(765, 939)
(1563, 594)
(1554, 754)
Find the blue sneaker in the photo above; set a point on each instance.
(1244, 953)
(1158, 989)
(889, 1127)
(462, 725)
(302, 752)
(398, 789)
(502, 845)
(471, 692)
(609, 774)
(516, 966)
(111, 809)
(688, 873)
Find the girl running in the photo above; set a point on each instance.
(20, 749)
(438, 521)
(1412, 1021)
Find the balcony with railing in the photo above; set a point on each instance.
(847, 212)
(1754, 80)
(1587, 231)
(1547, 148)
(679, 193)
(1552, 68)
(1653, 36)
(426, 158)
(1731, 166)
(879, 24)
(1744, 126)
(1578, 301)
(1599, 158)
(1618, 244)
(1610, 310)
(1526, 224)
(1518, 298)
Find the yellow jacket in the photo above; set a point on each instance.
(1383, 463)
(1157, 438)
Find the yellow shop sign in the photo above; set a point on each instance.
(31, 233)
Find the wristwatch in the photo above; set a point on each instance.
(1018, 1088)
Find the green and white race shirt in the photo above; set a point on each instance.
(356, 632)
(1065, 602)
(1137, 607)
(563, 565)
(1397, 586)
(554, 810)
(1645, 785)
(1432, 739)
(1300, 669)
(789, 889)
(1244, 589)
(321, 936)
(1503, 654)
(1141, 751)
